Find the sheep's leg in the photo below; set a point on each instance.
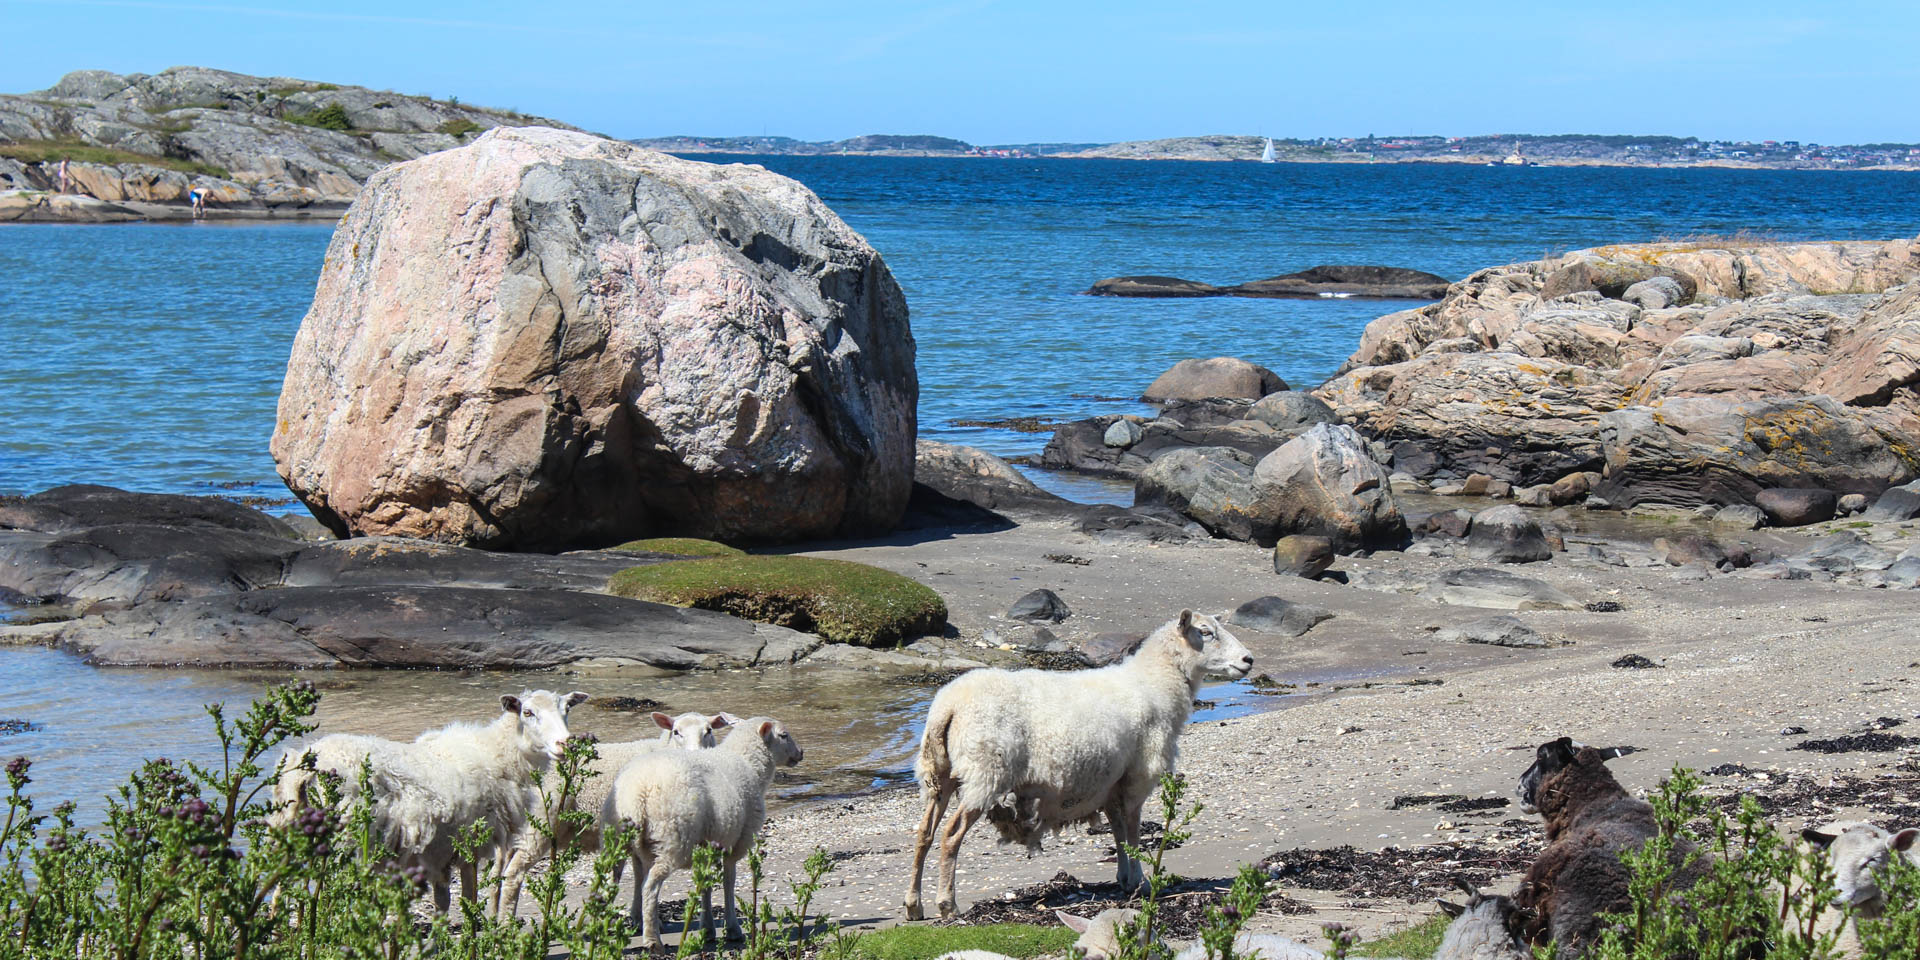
(506, 897)
(1122, 857)
(639, 886)
(706, 917)
(922, 842)
(442, 895)
(733, 918)
(1130, 818)
(655, 879)
(963, 820)
(469, 881)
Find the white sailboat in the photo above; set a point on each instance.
(1266, 156)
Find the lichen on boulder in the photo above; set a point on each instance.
(841, 601)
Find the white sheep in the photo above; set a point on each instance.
(673, 801)
(1038, 750)
(688, 731)
(1483, 929)
(1859, 852)
(425, 792)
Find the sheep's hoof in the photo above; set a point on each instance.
(916, 912)
(947, 910)
(734, 936)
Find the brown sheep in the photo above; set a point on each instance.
(1590, 822)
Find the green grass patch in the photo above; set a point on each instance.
(54, 151)
(1415, 942)
(460, 127)
(841, 601)
(682, 547)
(330, 117)
(924, 943)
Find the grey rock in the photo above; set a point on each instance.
(1507, 534)
(1291, 411)
(1683, 550)
(79, 506)
(418, 627)
(1851, 504)
(1502, 631)
(1039, 606)
(1496, 589)
(1107, 522)
(1300, 555)
(1740, 516)
(1655, 293)
(1450, 523)
(1797, 506)
(1123, 434)
(1104, 648)
(976, 477)
(138, 562)
(1026, 637)
(1278, 616)
(1152, 286)
(397, 561)
(1538, 495)
(1213, 485)
(1359, 280)
(1324, 483)
(1903, 574)
(1844, 551)
(1896, 504)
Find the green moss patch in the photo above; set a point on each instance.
(841, 601)
(925, 943)
(681, 547)
(53, 151)
(1417, 941)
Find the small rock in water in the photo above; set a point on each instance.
(17, 726)
(1123, 434)
(629, 704)
(1039, 605)
(1634, 661)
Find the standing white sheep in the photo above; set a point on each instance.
(674, 801)
(688, 731)
(425, 792)
(1039, 750)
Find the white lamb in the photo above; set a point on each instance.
(425, 792)
(688, 731)
(674, 801)
(1859, 853)
(1038, 750)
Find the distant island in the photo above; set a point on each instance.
(1500, 149)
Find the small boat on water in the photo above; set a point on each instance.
(1266, 156)
(1514, 159)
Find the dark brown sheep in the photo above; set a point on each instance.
(1590, 822)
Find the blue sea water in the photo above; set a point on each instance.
(150, 356)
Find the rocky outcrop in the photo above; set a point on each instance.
(1731, 370)
(258, 146)
(1219, 377)
(166, 580)
(1327, 280)
(547, 338)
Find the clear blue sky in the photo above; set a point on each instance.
(997, 71)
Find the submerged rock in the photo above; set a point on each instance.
(546, 338)
(1351, 280)
(1152, 286)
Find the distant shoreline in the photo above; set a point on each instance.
(1361, 161)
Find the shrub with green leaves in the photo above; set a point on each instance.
(330, 117)
(841, 601)
(186, 865)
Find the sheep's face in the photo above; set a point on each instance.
(1551, 758)
(689, 731)
(1483, 918)
(1100, 933)
(541, 716)
(1220, 652)
(1859, 852)
(786, 750)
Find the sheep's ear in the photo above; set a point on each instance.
(662, 721)
(1818, 837)
(576, 698)
(1904, 839)
(509, 703)
(1450, 908)
(1609, 753)
(720, 721)
(732, 721)
(1186, 620)
(1076, 924)
(766, 729)
(1565, 748)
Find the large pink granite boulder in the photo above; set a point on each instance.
(546, 338)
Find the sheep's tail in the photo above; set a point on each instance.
(932, 767)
